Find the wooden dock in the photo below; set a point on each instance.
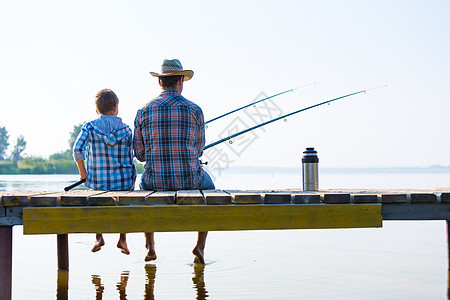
(80, 211)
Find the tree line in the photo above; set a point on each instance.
(57, 163)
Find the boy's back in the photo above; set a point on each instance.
(106, 145)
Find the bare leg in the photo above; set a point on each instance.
(150, 245)
(122, 244)
(199, 249)
(99, 242)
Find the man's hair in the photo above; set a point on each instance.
(168, 82)
(105, 100)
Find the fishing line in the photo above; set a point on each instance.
(287, 115)
(245, 106)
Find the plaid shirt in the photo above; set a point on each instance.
(109, 155)
(169, 135)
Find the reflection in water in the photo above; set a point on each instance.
(199, 281)
(122, 285)
(62, 288)
(149, 294)
(97, 281)
(150, 271)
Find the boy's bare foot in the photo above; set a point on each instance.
(151, 255)
(122, 245)
(199, 259)
(99, 243)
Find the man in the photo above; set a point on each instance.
(169, 135)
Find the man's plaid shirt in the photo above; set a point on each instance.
(169, 135)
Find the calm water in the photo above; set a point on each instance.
(402, 260)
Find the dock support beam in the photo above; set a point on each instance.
(5, 262)
(63, 251)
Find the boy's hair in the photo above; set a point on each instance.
(168, 82)
(105, 100)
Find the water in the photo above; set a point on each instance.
(401, 260)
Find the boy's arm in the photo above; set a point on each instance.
(81, 169)
(138, 140)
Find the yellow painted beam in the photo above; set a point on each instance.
(115, 219)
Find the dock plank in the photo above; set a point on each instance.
(190, 197)
(107, 198)
(50, 199)
(338, 198)
(306, 198)
(19, 198)
(277, 198)
(423, 198)
(132, 197)
(162, 198)
(78, 197)
(216, 197)
(365, 198)
(244, 197)
(393, 198)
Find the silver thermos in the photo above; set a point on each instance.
(310, 170)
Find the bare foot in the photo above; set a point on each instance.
(198, 256)
(99, 243)
(122, 245)
(151, 255)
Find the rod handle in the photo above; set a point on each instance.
(68, 188)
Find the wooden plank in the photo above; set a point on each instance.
(365, 198)
(216, 197)
(336, 198)
(393, 198)
(107, 198)
(133, 197)
(243, 197)
(190, 197)
(78, 197)
(161, 198)
(277, 198)
(19, 198)
(445, 197)
(306, 198)
(51, 199)
(423, 198)
(109, 219)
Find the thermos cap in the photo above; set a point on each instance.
(310, 156)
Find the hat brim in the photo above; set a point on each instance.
(188, 74)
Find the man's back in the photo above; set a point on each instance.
(169, 137)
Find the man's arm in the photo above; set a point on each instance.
(201, 133)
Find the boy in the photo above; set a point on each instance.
(106, 144)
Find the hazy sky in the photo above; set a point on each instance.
(55, 56)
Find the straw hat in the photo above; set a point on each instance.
(173, 67)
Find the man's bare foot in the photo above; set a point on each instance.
(122, 245)
(151, 255)
(199, 259)
(99, 243)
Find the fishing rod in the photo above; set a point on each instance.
(285, 116)
(68, 188)
(238, 109)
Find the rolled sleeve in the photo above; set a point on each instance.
(79, 148)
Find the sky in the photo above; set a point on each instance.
(56, 55)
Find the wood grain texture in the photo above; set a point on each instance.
(109, 219)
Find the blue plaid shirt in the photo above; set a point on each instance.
(169, 135)
(106, 144)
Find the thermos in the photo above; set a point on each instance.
(310, 170)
